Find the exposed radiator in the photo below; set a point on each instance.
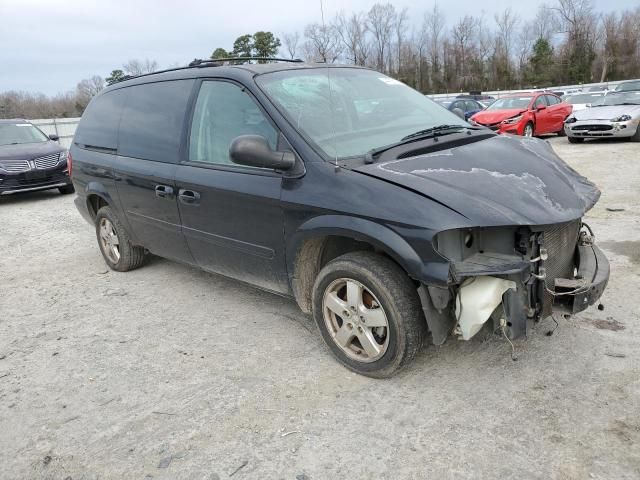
(560, 241)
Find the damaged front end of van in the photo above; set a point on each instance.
(522, 251)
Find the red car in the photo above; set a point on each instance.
(525, 114)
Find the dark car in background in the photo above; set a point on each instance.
(30, 160)
(382, 214)
(468, 106)
(479, 96)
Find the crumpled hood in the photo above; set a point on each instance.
(503, 180)
(495, 116)
(28, 151)
(607, 113)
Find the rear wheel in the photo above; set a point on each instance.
(67, 189)
(368, 313)
(575, 140)
(528, 130)
(115, 244)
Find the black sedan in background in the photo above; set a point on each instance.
(31, 160)
(466, 106)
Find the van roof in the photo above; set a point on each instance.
(209, 69)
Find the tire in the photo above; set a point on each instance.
(636, 136)
(67, 189)
(575, 140)
(528, 125)
(127, 256)
(383, 285)
(561, 132)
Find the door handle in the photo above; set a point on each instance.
(188, 197)
(164, 191)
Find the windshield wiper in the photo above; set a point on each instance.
(433, 131)
(437, 131)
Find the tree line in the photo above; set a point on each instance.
(567, 42)
(18, 104)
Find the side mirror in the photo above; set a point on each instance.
(588, 105)
(54, 137)
(459, 113)
(541, 107)
(254, 151)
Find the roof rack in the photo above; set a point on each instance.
(211, 63)
(207, 62)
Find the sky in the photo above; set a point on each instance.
(49, 45)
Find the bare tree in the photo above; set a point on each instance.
(323, 43)
(353, 35)
(290, 43)
(506, 23)
(463, 33)
(435, 23)
(89, 88)
(140, 67)
(545, 24)
(402, 19)
(524, 41)
(380, 22)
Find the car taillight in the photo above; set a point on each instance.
(69, 163)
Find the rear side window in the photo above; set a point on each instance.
(471, 105)
(99, 124)
(152, 121)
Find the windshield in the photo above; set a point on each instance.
(18, 133)
(628, 86)
(363, 110)
(618, 98)
(510, 103)
(585, 98)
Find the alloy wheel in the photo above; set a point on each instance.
(109, 240)
(356, 320)
(528, 130)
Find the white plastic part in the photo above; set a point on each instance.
(477, 298)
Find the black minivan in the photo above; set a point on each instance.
(385, 216)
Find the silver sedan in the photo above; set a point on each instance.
(616, 115)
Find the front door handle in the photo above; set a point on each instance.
(164, 191)
(188, 197)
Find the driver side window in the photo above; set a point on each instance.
(223, 112)
(540, 101)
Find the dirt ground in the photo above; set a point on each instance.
(168, 372)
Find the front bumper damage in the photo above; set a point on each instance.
(560, 270)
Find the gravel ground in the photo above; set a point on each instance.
(168, 372)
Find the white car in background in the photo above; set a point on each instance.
(580, 101)
(615, 115)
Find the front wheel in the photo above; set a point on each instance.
(528, 130)
(67, 189)
(368, 313)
